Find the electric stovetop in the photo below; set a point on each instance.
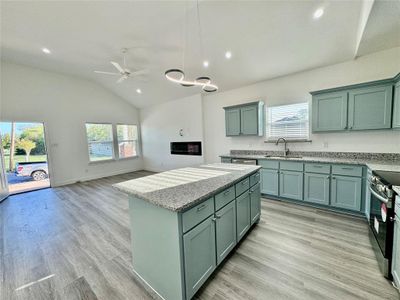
(391, 178)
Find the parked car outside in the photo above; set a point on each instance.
(36, 170)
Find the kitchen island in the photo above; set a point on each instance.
(185, 222)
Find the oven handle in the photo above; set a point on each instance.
(384, 200)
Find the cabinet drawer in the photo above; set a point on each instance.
(254, 178)
(269, 164)
(291, 166)
(242, 186)
(195, 215)
(223, 198)
(317, 168)
(347, 170)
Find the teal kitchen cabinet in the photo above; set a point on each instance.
(200, 259)
(370, 107)
(396, 247)
(346, 192)
(242, 215)
(329, 112)
(270, 181)
(316, 188)
(396, 106)
(291, 185)
(255, 203)
(249, 120)
(232, 121)
(225, 226)
(244, 119)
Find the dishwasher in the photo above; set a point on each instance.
(244, 161)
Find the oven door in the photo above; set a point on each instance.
(381, 224)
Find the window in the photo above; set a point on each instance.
(100, 141)
(288, 121)
(127, 140)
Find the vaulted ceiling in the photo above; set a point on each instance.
(267, 39)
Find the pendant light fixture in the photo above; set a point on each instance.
(178, 76)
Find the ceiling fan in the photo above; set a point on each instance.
(124, 72)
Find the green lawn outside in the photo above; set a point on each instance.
(21, 158)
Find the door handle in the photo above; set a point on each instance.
(201, 207)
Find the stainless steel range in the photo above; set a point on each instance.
(382, 217)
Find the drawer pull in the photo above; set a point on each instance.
(347, 168)
(227, 192)
(218, 216)
(202, 207)
(258, 175)
(319, 167)
(244, 182)
(327, 177)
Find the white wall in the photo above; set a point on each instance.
(160, 125)
(295, 88)
(64, 104)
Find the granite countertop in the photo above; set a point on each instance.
(382, 165)
(180, 189)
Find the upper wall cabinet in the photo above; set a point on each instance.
(245, 119)
(370, 108)
(357, 107)
(329, 112)
(396, 104)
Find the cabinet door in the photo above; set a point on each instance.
(370, 108)
(396, 253)
(346, 192)
(232, 121)
(291, 185)
(396, 107)
(249, 120)
(329, 112)
(242, 215)
(200, 260)
(316, 188)
(255, 203)
(225, 230)
(269, 182)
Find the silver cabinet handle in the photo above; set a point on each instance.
(333, 177)
(327, 177)
(347, 168)
(244, 182)
(213, 219)
(218, 216)
(227, 192)
(319, 167)
(202, 207)
(258, 174)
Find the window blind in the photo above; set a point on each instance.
(288, 121)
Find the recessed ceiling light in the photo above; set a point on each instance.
(46, 50)
(318, 13)
(139, 91)
(228, 54)
(205, 64)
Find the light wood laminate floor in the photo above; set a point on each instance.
(73, 242)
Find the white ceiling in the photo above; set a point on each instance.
(267, 39)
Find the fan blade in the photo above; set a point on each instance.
(108, 73)
(121, 79)
(119, 68)
(140, 72)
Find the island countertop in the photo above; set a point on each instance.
(180, 189)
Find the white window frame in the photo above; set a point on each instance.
(118, 141)
(112, 142)
(291, 139)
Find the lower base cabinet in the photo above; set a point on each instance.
(316, 188)
(346, 192)
(270, 182)
(291, 185)
(225, 226)
(242, 215)
(255, 203)
(200, 260)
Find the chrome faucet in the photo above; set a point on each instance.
(286, 151)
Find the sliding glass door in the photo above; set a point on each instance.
(3, 179)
